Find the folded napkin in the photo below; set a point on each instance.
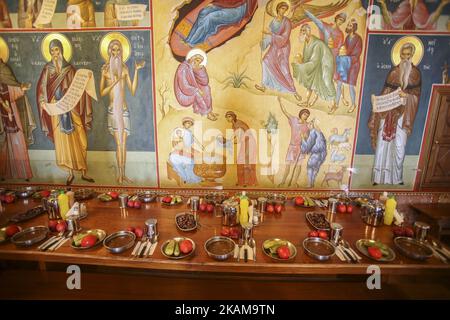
(242, 252)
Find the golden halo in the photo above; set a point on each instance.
(67, 46)
(418, 54)
(104, 43)
(4, 50)
(271, 8)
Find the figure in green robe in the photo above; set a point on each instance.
(314, 70)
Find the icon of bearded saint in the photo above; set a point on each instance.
(115, 78)
(389, 130)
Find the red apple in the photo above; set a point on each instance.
(349, 208)
(210, 208)
(52, 225)
(409, 232)
(11, 230)
(131, 229)
(323, 235)
(278, 208)
(113, 194)
(202, 207)
(130, 203)
(342, 208)
(299, 201)
(45, 193)
(313, 234)
(137, 204)
(61, 226)
(139, 232)
(270, 208)
(225, 231)
(9, 198)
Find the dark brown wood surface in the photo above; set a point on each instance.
(290, 224)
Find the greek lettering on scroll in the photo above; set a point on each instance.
(83, 82)
(387, 102)
(46, 13)
(129, 12)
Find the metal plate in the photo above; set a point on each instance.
(318, 248)
(220, 239)
(363, 249)
(147, 196)
(30, 236)
(30, 214)
(126, 239)
(101, 235)
(274, 256)
(182, 255)
(84, 194)
(412, 248)
(309, 218)
(182, 229)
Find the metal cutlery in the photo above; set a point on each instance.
(61, 241)
(253, 245)
(241, 242)
(347, 252)
(353, 252)
(50, 242)
(151, 245)
(439, 248)
(146, 243)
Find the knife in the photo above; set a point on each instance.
(348, 255)
(143, 248)
(46, 242)
(50, 243)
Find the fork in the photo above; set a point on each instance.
(347, 245)
(145, 242)
(59, 243)
(47, 244)
(149, 247)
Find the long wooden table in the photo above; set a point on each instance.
(26, 273)
(290, 224)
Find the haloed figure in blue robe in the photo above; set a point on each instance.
(218, 14)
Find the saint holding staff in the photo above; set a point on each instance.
(115, 50)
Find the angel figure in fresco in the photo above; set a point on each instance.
(67, 131)
(81, 12)
(191, 84)
(299, 127)
(110, 17)
(246, 151)
(314, 69)
(181, 157)
(411, 15)
(115, 78)
(276, 74)
(16, 124)
(28, 11)
(5, 20)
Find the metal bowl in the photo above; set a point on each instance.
(147, 196)
(128, 241)
(100, 234)
(182, 255)
(277, 198)
(225, 244)
(412, 248)
(84, 194)
(26, 192)
(310, 218)
(30, 236)
(291, 247)
(318, 248)
(182, 214)
(29, 214)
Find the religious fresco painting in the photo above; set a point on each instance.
(407, 67)
(261, 94)
(78, 109)
(74, 14)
